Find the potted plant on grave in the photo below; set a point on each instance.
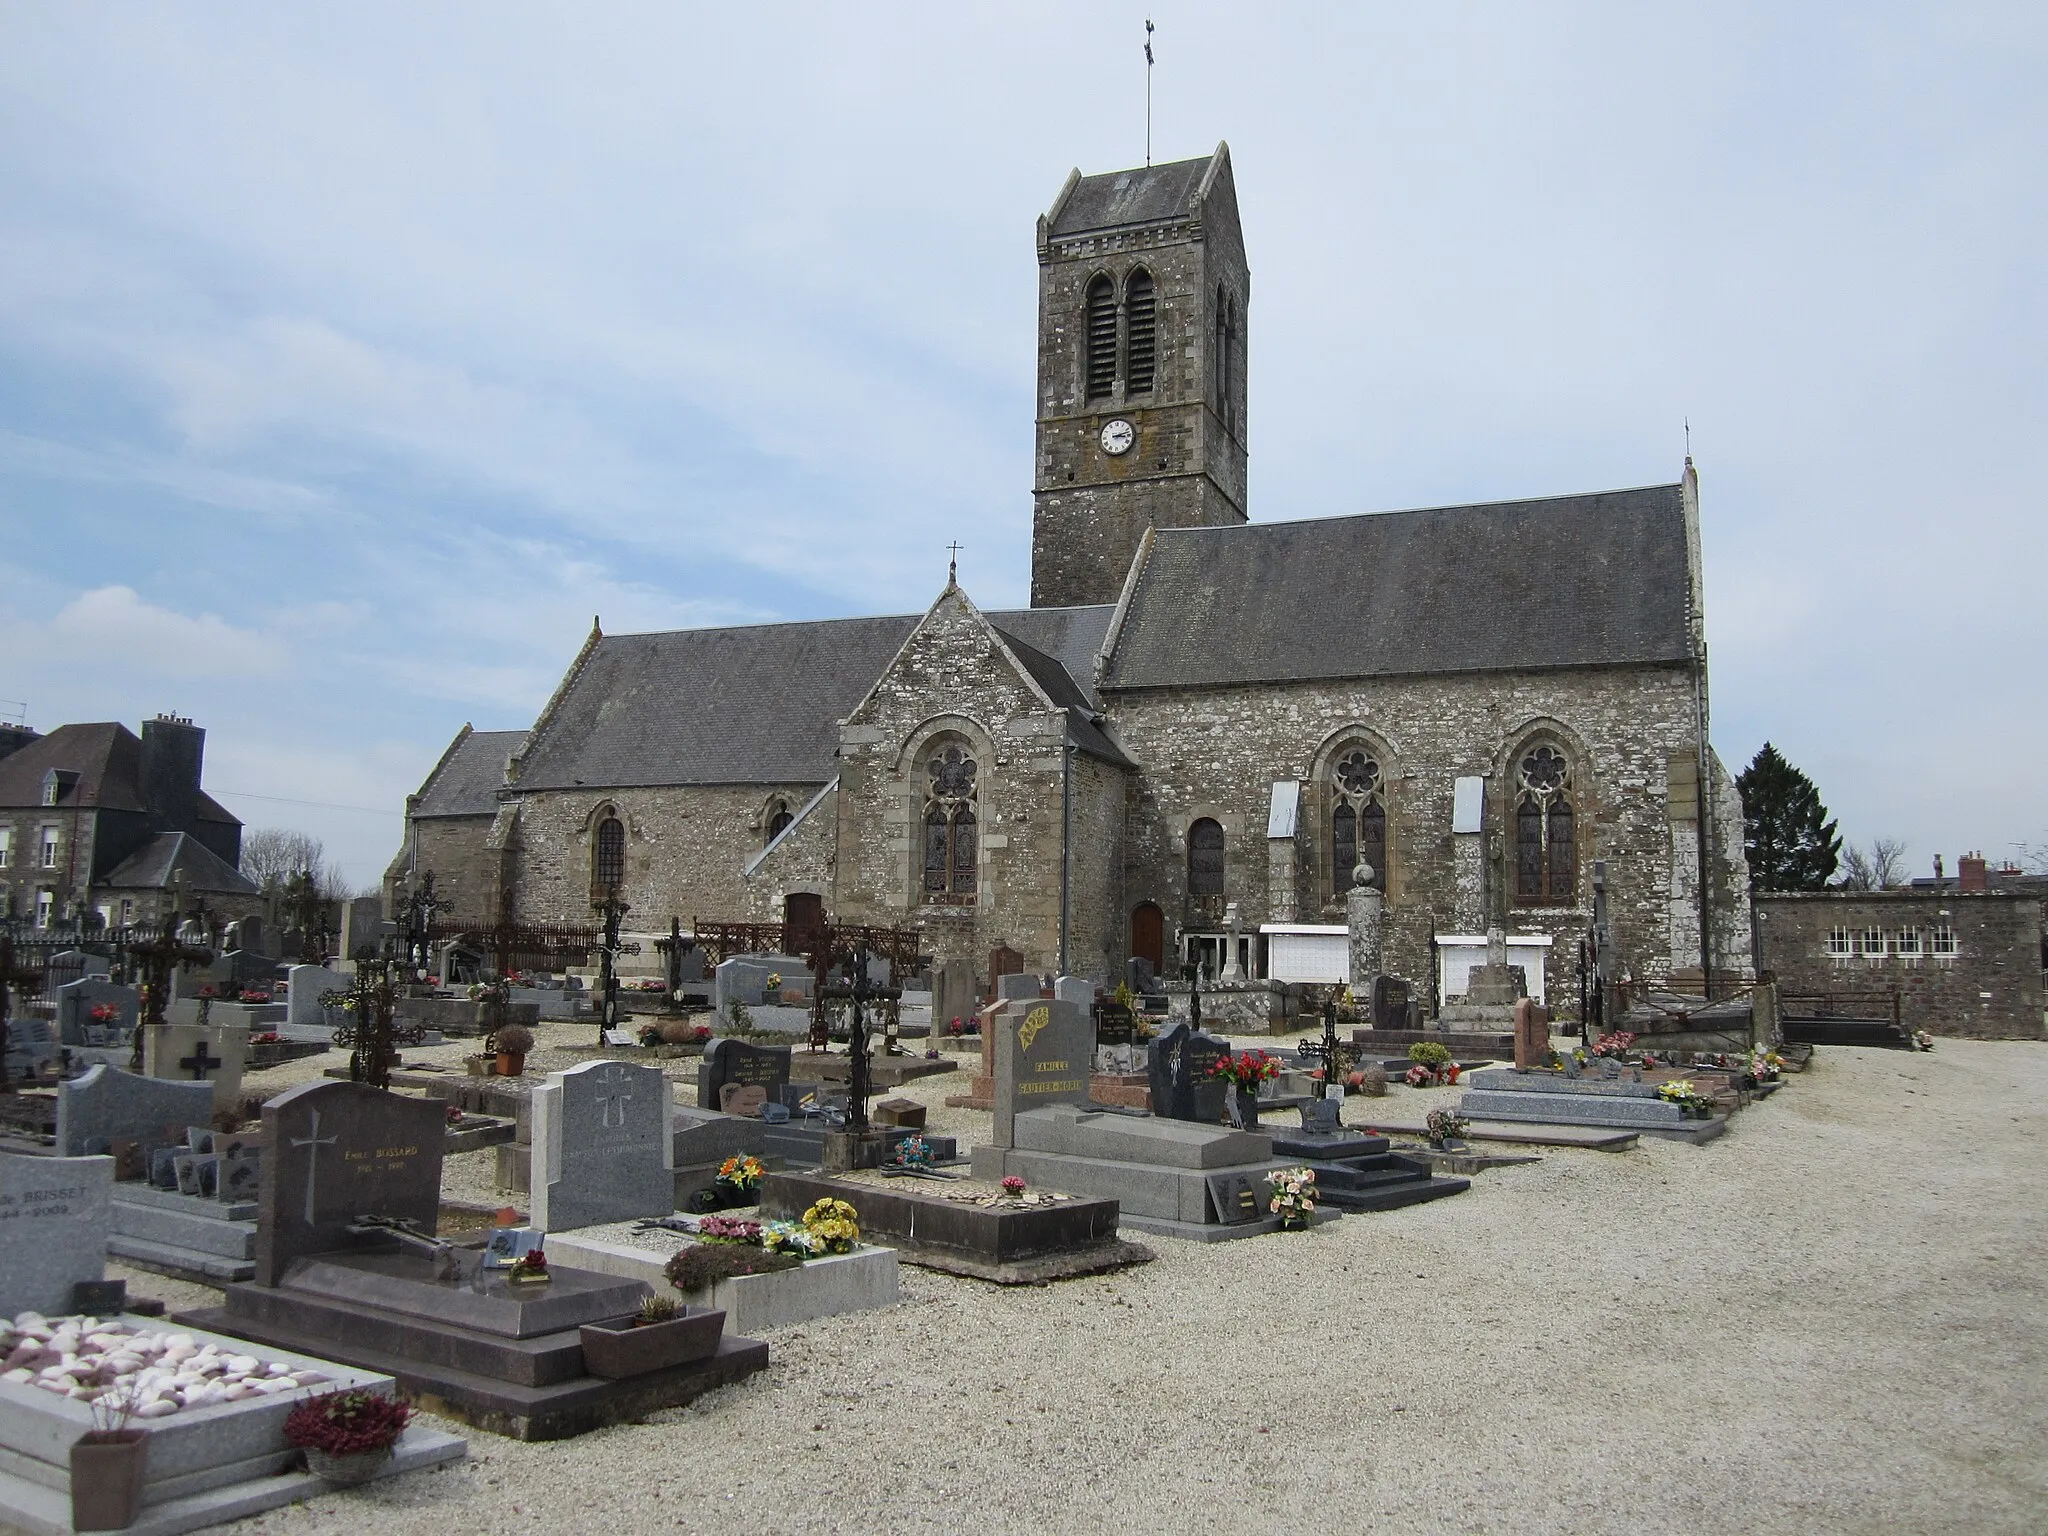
(513, 1042)
(661, 1334)
(347, 1436)
(1243, 1073)
(1445, 1127)
(1689, 1100)
(1294, 1197)
(108, 1463)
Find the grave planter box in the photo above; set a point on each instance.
(823, 1287)
(628, 1347)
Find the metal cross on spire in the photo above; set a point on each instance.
(953, 564)
(1148, 90)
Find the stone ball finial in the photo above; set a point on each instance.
(1363, 875)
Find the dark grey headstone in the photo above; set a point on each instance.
(1115, 1024)
(735, 1061)
(334, 1152)
(1237, 1197)
(1390, 999)
(1177, 1063)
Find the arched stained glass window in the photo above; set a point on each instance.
(1358, 819)
(951, 847)
(1546, 843)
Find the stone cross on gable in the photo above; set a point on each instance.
(316, 1141)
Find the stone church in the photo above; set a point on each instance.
(1201, 728)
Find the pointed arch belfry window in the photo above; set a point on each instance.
(1223, 359)
(607, 857)
(1358, 819)
(1205, 859)
(1141, 352)
(950, 825)
(1545, 829)
(1099, 368)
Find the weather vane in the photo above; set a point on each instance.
(1148, 91)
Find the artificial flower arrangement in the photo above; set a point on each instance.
(1294, 1196)
(773, 983)
(834, 1222)
(532, 1269)
(1615, 1043)
(1444, 1125)
(1765, 1065)
(1013, 1186)
(914, 1152)
(741, 1172)
(650, 1036)
(489, 992)
(728, 1229)
(1247, 1069)
(268, 1037)
(255, 997)
(1681, 1092)
(104, 1013)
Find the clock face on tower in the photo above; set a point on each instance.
(1118, 436)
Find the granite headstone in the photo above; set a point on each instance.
(307, 984)
(54, 1213)
(1042, 1053)
(1177, 1064)
(334, 1152)
(603, 1146)
(729, 1062)
(76, 1001)
(106, 1104)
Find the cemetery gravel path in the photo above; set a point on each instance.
(1835, 1319)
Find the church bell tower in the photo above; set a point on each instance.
(1142, 297)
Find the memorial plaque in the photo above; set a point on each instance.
(1389, 1003)
(743, 1099)
(334, 1152)
(1115, 1025)
(1237, 1197)
(728, 1062)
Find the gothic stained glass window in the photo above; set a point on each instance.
(608, 857)
(950, 828)
(1546, 844)
(1141, 349)
(1358, 822)
(1205, 858)
(1101, 338)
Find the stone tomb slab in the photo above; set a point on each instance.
(53, 1229)
(1572, 1109)
(107, 1104)
(603, 1147)
(334, 1152)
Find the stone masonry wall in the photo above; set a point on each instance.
(456, 849)
(1990, 989)
(1218, 752)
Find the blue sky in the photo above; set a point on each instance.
(352, 358)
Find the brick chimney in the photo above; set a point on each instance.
(1971, 874)
(172, 750)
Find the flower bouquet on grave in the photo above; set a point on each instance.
(1615, 1043)
(834, 1223)
(104, 1013)
(347, 1436)
(739, 1180)
(1419, 1076)
(729, 1229)
(1681, 1092)
(268, 1037)
(1764, 1066)
(1444, 1126)
(1294, 1197)
(255, 997)
(793, 1238)
(1246, 1070)
(914, 1152)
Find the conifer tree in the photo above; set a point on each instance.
(1791, 843)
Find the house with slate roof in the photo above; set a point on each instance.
(95, 815)
(1203, 728)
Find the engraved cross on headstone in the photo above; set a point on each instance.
(612, 1110)
(316, 1141)
(201, 1062)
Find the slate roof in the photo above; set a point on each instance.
(467, 779)
(1142, 196)
(106, 756)
(1587, 580)
(756, 704)
(155, 865)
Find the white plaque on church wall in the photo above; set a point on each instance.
(1285, 811)
(1468, 795)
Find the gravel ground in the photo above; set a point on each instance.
(1834, 1318)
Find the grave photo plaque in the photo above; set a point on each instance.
(730, 1063)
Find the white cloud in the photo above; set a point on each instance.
(113, 626)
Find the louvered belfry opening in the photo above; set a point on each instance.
(1139, 310)
(1101, 338)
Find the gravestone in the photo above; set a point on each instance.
(1390, 999)
(953, 996)
(1532, 1034)
(1177, 1063)
(1018, 986)
(105, 1104)
(54, 1214)
(307, 985)
(690, 964)
(192, 1053)
(734, 1063)
(744, 979)
(1003, 961)
(363, 928)
(1140, 976)
(76, 1001)
(334, 1152)
(1115, 1024)
(31, 1047)
(69, 965)
(1496, 984)
(1042, 1053)
(603, 1146)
